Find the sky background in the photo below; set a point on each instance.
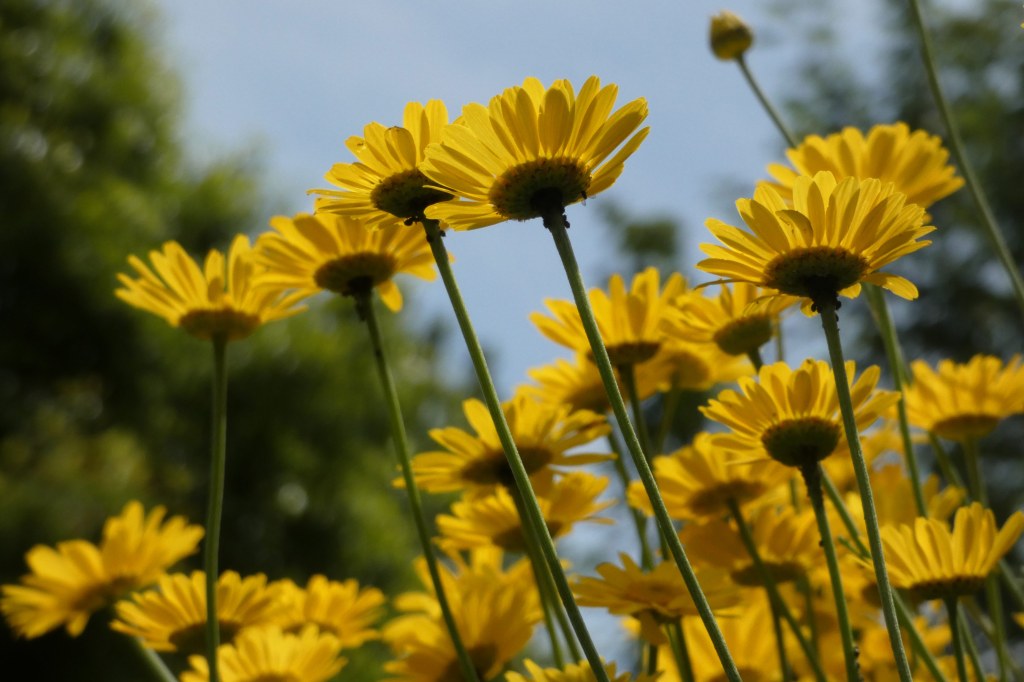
(294, 80)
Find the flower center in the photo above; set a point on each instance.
(817, 272)
(403, 194)
(529, 189)
(191, 639)
(781, 571)
(964, 426)
(493, 469)
(940, 588)
(354, 273)
(226, 323)
(715, 499)
(801, 442)
(689, 370)
(483, 658)
(744, 335)
(632, 353)
(513, 540)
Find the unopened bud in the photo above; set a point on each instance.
(730, 36)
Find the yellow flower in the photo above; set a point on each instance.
(493, 520)
(730, 36)
(735, 320)
(173, 616)
(829, 239)
(577, 384)
(221, 301)
(699, 480)
(532, 150)
(915, 162)
(310, 253)
(752, 647)
(934, 562)
(578, 672)
(70, 583)
(689, 366)
(269, 655)
(793, 416)
(632, 323)
(339, 608)
(543, 435)
(385, 187)
(961, 401)
(894, 498)
(882, 442)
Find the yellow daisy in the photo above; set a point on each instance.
(793, 416)
(961, 401)
(915, 162)
(532, 150)
(385, 187)
(70, 583)
(269, 655)
(341, 608)
(221, 301)
(934, 562)
(690, 366)
(879, 444)
(493, 520)
(829, 239)
(310, 253)
(578, 672)
(699, 480)
(894, 498)
(735, 320)
(752, 648)
(577, 384)
(632, 323)
(543, 435)
(172, 617)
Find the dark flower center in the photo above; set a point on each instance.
(801, 442)
(354, 273)
(403, 194)
(535, 187)
(744, 335)
(818, 272)
(227, 324)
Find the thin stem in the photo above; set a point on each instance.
(555, 222)
(765, 102)
(812, 477)
(830, 324)
(971, 647)
(755, 359)
(974, 478)
(944, 463)
(956, 147)
(153, 661)
(628, 374)
(215, 499)
(364, 307)
(534, 520)
(958, 645)
(670, 406)
(844, 514)
(887, 330)
(677, 642)
(917, 641)
(780, 344)
(639, 520)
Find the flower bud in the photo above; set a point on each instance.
(730, 36)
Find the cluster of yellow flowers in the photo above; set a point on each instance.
(849, 205)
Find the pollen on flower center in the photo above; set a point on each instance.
(351, 273)
(404, 195)
(801, 442)
(227, 324)
(526, 190)
(744, 335)
(818, 272)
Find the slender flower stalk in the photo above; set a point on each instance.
(830, 324)
(153, 661)
(639, 520)
(677, 642)
(554, 220)
(988, 220)
(215, 498)
(364, 308)
(669, 407)
(953, 612)
(533, 520)
(766, 103)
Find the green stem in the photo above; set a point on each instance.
(639, 520)
(804, 586)
(554, 220)
(755, 359)
(944, 463)
(778, 604)
(974, 477)
(812, 477)
(537, 530)
(765, 102)
(887, 330)
(365, 310)
(153, 661)
(677, 642)
(958, 645)
(780, 345)
(830, 324)
(956, 147)
(215, 499)
(972, 649)
(670, 406)
(628, 374)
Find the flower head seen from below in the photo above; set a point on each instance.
(342, 609)
(737, 320)
(573, 672)
(220, 301)
(70, 583)
(310, 253)
(531, 151)
(577, 384)
(829, 239)
(385, 187)
(793, 416)
(961, 401)
(730, 36)
(915, 162)
(173, 616)
(269, 655)
(935, 562)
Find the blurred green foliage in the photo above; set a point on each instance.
(103, 403)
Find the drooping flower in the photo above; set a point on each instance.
(342, 609)
(385, 187)
(573, 672)
(934, 561)
(172, 617)
(962, 401)
(915, 162)
(735, 320)
(829, 239)
(70, 583)
(221, 301)
(532, 150)
(267, 654)
(312, 253)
